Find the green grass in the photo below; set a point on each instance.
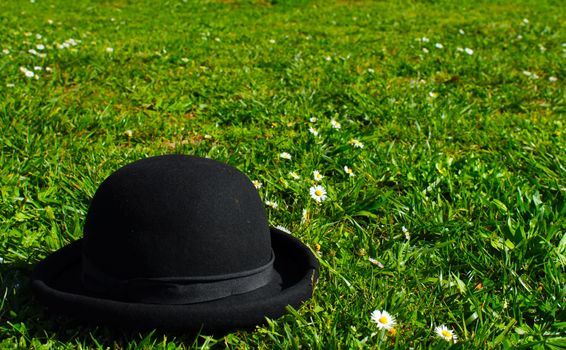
(459, 191)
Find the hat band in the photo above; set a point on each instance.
(176, 290)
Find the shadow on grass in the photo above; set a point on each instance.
(28, 323)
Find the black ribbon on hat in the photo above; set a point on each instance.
(176, 290)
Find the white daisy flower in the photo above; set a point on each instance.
(469, 51)
(530, 74)
(383, 319)
(317, 175)
(48, 69)
(446, 334)
(375, 262)
(271, 204)
(371, 70)
(439, 46)
(49, 21)
(9, 85)
(313, 119)
(313, 131)
(185, 60)
(318, 193)
(271, 41)
(335, 125)
(433, 94)
(109, 50)
(294, 175)
(425, 50)
(304, 216)
(285, 155)
(37, 68)
(552, 79)
(6, 52)
(32, 51)
(349, 171)
(284, 229)
(28, 73)
(459, 49)
(406, 232)
(424, 39)
(257, 184)
(40, 46)
(461, 31)
(356, 143)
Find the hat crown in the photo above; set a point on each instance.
(176, 216)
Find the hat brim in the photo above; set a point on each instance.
(56, 282)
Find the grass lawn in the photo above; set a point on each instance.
(456, 211)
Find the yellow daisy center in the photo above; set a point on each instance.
(383, 319)
(318, 192)
(446, 333)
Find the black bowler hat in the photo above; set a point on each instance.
(177, 243)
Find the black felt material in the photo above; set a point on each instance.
(178, 211)
(56, 283)
(176, 290)
(177, 217)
